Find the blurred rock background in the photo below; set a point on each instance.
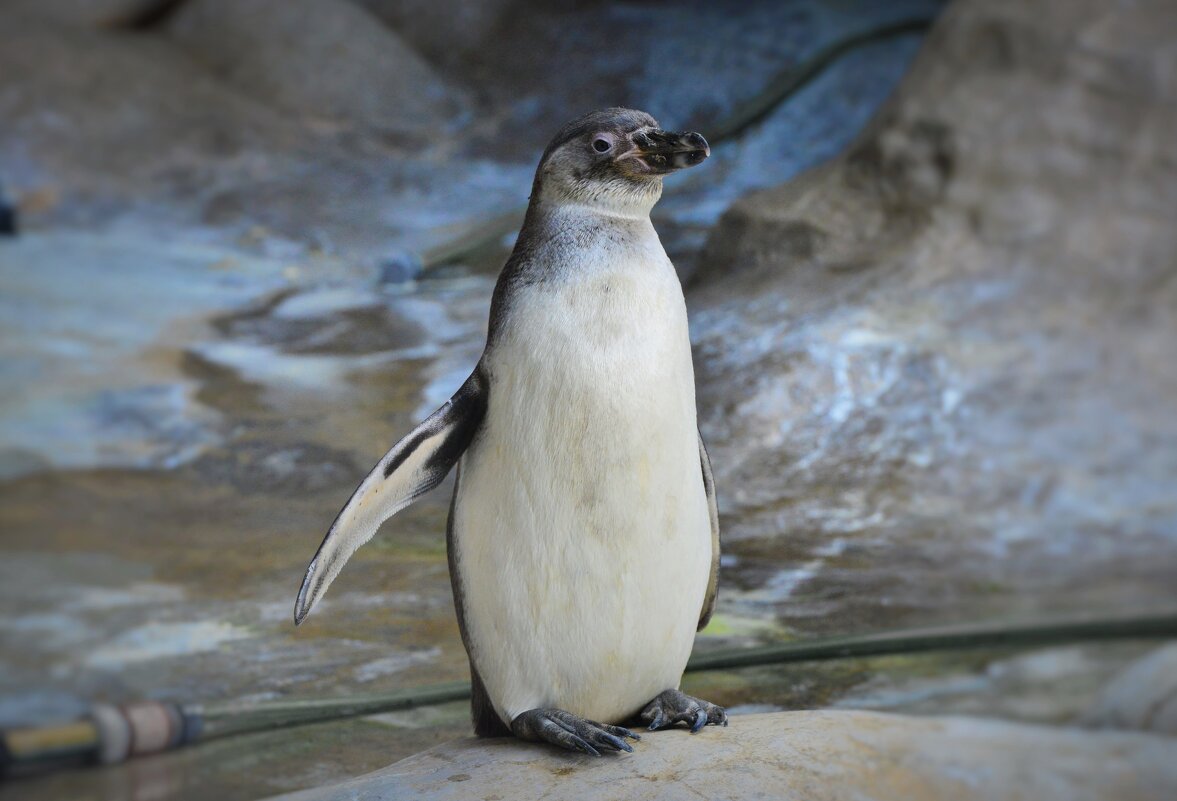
(933, 299)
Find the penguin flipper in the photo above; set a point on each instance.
(713, 509)
(415, 465)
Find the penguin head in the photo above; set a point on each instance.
(614, 159)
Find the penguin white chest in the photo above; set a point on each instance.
(581, 531)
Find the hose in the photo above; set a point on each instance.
(111, 734)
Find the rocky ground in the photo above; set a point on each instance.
(961, 329)
(804, 755)
(933, 353)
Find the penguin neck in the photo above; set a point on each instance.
(555, 218)
(610, 201)
(567, 233)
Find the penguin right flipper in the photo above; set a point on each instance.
(713, 512)
(415, 465)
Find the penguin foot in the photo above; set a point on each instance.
(566, 730)
(673, 706)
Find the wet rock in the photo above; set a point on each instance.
(109, 125)
(400, 267)
(1051, 686)
(933, 372)
(802, 755)
(338, 322)
(442, 30)
(328, 60)
(94, 367)
(293, 470)
(99, 123)
(92, 12)
(1143, 696)
(187, 121)
(691, 66)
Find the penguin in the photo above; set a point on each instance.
(583, 534)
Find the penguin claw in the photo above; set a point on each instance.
(673, 706)
(573, 733)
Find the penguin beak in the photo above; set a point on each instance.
(663, 152)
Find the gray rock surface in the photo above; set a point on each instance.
(957, 337)
(443, 30)
(690, 68)
(111, 125)
(327, 59)
(1142, 696)
(796, 755)
(88, 12)
(321, 123)
(103, 122)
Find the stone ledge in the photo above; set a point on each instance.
(813, 755)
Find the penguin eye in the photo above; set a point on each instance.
(601, 144)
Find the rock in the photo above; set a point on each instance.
(400, 268)
(325, 59)
(442, 30)
(796, 755)
(691, 68)
(99, 121)
(1143, 696)
(103, 125)
(944, 360)
(215, 118)
(109, 13)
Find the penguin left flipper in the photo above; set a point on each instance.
(415, 465)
